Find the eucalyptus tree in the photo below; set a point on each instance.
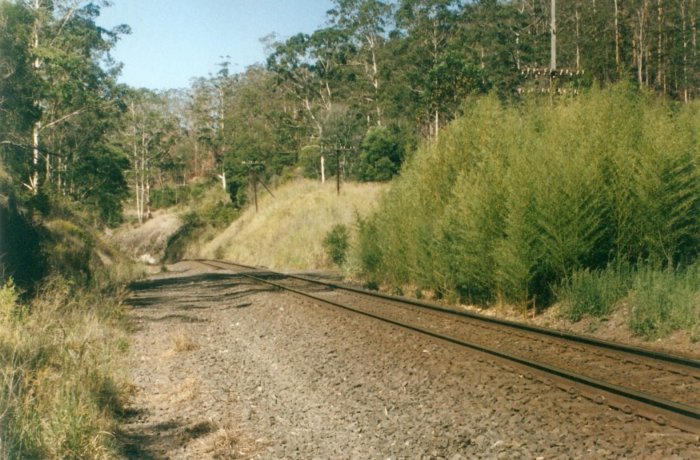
(314, 70)
(261, 137)
(63, 101)
(17, 81)
(293, 66)
(426, 28)
(365, 23)
(152, 132)
(70, 54)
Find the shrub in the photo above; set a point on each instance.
(369, 251)
(380, 156)
(60, 384)
(336, 243)
(512, 202)
(664, 301)
(593, 292)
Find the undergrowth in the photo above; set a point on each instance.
(659, 300)
(514, 202)
(593, 292)
(665, 300)
(61, 379)
(210, 212)
(336, 243)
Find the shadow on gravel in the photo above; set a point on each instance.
(243, 305)
(179, 280)
(153, 441)
(180, 318)
(186, 302)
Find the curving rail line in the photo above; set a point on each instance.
(607, 373)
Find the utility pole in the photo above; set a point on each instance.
(254, 168)
(337, 171)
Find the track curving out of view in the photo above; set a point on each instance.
(658, 386)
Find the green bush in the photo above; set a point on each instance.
(593, 292)
(60, 390)
(369, 251)
(336, 243)
(664, 301)
(513, 201)
(381, 155)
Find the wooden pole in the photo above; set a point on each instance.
(255, 189)
(337, 171)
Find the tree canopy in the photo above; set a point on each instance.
(359, 92)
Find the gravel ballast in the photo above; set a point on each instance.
(224, 368)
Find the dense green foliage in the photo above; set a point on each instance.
(513, 201)
(59, 104)
(381, 155)
(358, 93)
(336, 243)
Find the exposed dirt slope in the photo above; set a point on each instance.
(149, 241)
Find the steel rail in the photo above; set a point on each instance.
(605, 344)
(660, 410)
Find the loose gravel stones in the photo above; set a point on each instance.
(224, 368)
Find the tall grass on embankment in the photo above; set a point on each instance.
(62, 380)
(289, 229)
(513, 202)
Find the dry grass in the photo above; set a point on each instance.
(187, 390)
(288, 230)
(226, 443)
(61, 376)
(150, 239)
(181, 341)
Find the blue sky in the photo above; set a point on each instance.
(173, 41)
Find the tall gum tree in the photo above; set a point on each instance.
(365, 21)
(69, 54)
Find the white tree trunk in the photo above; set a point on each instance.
(36, 128)
(617, 38)
(323, 170)
(553, 38)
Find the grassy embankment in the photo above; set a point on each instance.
(288, 230)
(62, 378)
(593, 203)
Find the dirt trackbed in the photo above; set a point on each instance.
(225, 368)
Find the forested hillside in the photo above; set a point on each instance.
(360, 92)
(380, 77)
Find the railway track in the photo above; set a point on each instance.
(661, 387)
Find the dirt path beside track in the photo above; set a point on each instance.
(224, 368)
